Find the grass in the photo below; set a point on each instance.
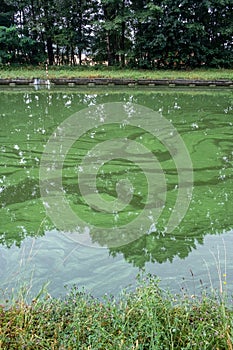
(147, 318)
(107, 72)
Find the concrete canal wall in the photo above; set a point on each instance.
(117, 82)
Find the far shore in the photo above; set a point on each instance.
(110, 73)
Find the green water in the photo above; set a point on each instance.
(31, 242)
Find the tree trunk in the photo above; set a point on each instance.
(50, 51)
(123, 44)
(80, 57)
(57, 55)
(122, 40)
(110, 58)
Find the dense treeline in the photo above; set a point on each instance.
(137, 33)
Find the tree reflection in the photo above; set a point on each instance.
(157, 248)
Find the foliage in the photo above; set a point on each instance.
(6, 14)
(17, 48)
(147, 318)
(140, 33)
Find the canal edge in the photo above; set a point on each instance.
(117, 82)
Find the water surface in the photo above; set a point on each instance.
(32, 248)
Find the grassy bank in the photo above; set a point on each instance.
(106, 72)
(148, 318)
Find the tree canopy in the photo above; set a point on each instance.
(136, 33)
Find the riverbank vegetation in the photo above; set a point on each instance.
(147, 318)
(144, 34)
(30, 72)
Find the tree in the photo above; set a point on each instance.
(113, 33)
(75, 29)
(219, 50)
(139, 33)
(17, 43)
(6, 14)
(147, 42)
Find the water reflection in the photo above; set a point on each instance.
(55, 259)
(204, 120)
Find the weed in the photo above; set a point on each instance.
(147, 318)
